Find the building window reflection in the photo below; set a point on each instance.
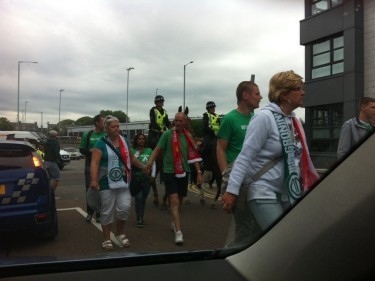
(319, 6)
(326, 125)
(328, 57)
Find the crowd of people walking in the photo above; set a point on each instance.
(262, 157)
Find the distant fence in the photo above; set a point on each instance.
(69, 139)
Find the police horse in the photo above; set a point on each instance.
(210, 164)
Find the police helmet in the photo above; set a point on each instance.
(210, 104)
(158, 98)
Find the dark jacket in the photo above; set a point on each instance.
(52, 150)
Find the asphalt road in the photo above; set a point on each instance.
(203, 227)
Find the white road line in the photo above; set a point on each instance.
(97, 225)
(206, 192)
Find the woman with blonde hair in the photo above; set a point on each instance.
(275, 142)
(111, 174)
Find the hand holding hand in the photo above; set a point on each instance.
(147, 169)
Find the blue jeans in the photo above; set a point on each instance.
(267, 211)
(140, 199)
(246, 227)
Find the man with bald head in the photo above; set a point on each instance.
(179, 150)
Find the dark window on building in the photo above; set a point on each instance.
(326, 125)
(328, 57)
(319, 6)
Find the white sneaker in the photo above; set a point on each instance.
(179, 240)
(173, 227)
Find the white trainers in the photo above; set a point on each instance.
(179, 240)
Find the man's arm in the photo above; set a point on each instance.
(197, 167)
(56, 150)
(152, 158)
(221, 148)
(83, 148)
(345, 141)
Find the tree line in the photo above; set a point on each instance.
(6, 125)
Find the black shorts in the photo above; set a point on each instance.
(176, 185)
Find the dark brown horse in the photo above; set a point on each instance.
(210, 164)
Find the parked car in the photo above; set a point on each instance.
(73, 153)
(65, 159)
(27, 202)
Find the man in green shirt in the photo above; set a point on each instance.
(231, 136)
(88, 141)
(179, 150)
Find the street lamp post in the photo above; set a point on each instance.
(26, 102)
(41, 120)
(127, 102)
(60, 109)
(183, 104)
(18, 91)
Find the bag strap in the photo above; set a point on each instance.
(114, 150)
(265, 168)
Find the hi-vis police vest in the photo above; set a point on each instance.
(213, 122)
(160, 119)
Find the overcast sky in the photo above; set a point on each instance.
(85, 47)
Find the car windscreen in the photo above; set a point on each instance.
(15, 157)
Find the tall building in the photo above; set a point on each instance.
(339, 40)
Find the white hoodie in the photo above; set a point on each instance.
(262, 145)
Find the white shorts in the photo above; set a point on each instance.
(114, 202)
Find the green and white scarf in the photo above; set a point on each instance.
(292, 180)
(115, 172)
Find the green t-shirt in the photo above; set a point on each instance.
(165, 143)
(233, 129)
(94, 137)
(143, 158)
(86, 150)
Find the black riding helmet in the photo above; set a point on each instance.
(158, 98)
(210, 104)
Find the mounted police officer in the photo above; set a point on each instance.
(159, 121)
(211, 124)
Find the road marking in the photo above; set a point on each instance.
(206, 192)
(97, 225)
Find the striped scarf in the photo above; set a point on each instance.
(295, 185)
(193, 155)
